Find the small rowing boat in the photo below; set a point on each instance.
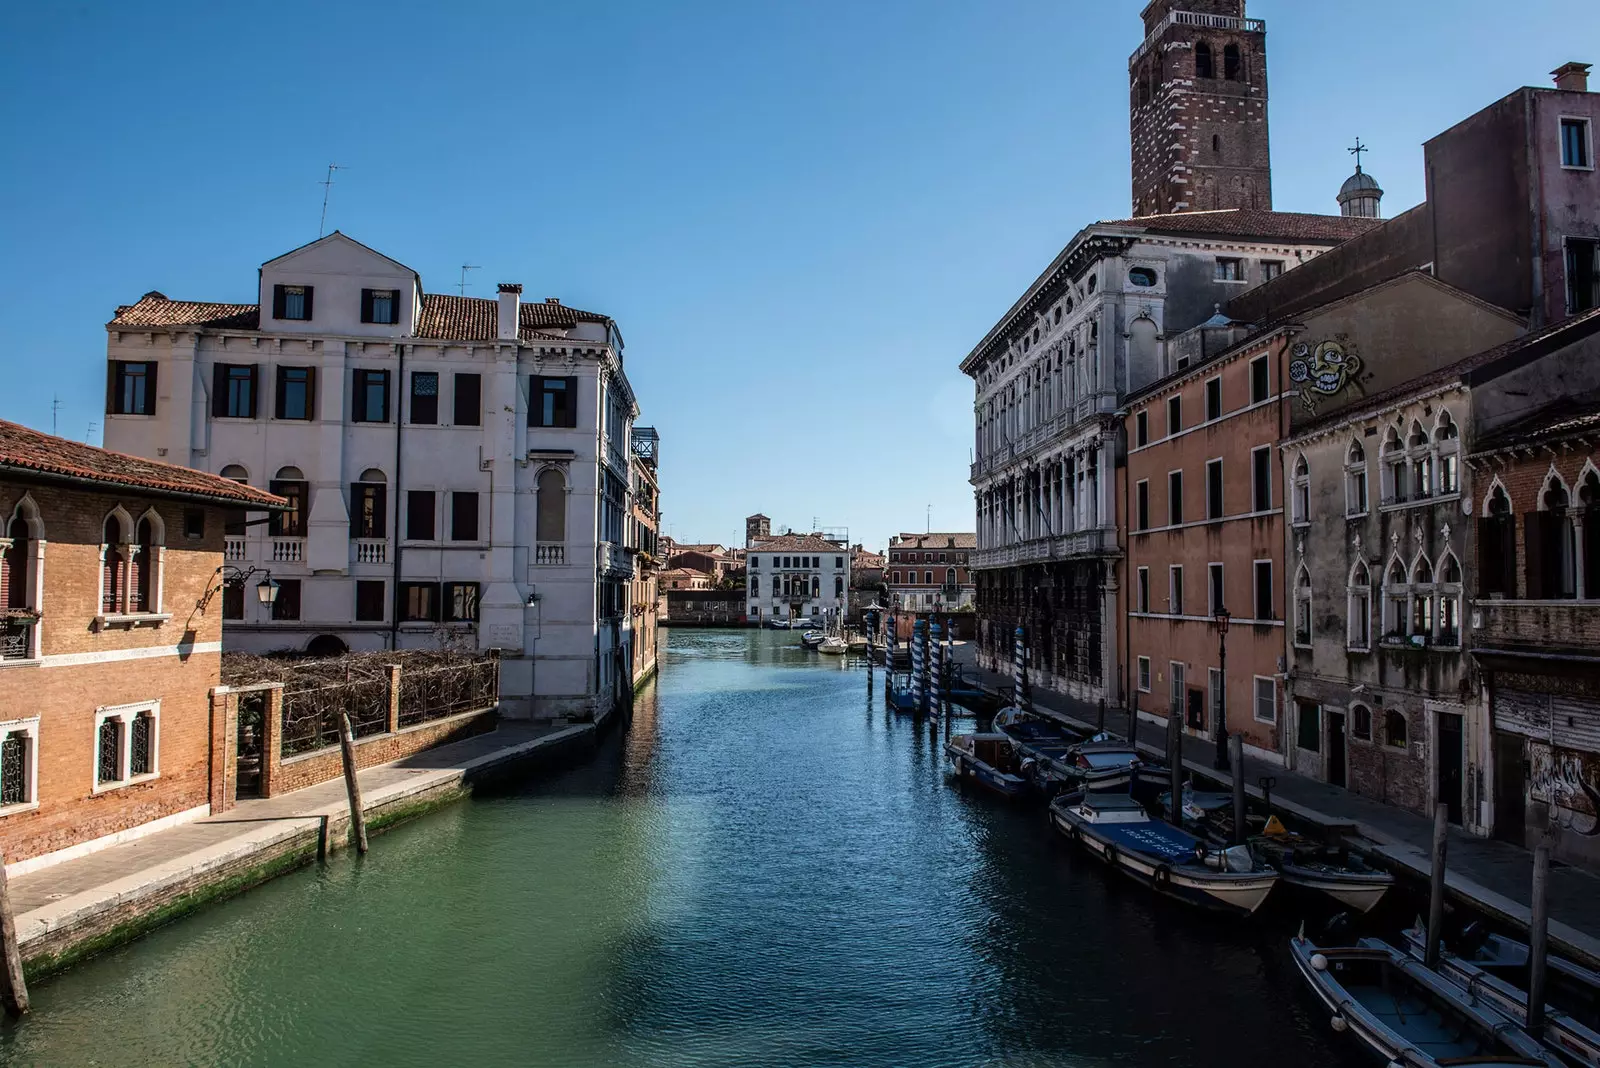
(990, 760)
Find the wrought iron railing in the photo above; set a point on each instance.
(16, 639)
(311, 716)
(438, 692)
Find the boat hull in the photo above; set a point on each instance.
(1353, 891)
(969, 769)
(1233, 894)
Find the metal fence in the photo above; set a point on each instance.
(311, 716)
(434, 693)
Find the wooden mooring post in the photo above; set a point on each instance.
(1539, 937)
(352, 786)
(13, 988)
(1441, 840)
(1236, 753)
(1175, 766)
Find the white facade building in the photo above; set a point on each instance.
(460, 467)
(796, 576)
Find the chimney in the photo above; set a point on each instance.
(1572, 77)
(510, 311)
(552, 300)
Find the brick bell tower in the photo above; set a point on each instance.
(1198, 101)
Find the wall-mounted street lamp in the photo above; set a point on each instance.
(234, 578)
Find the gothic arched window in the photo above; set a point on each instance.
(1232, 64)
(1203, 67)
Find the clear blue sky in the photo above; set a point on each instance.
(802, 215)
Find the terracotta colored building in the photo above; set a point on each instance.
(110, 644)
(644, 530)
(931, 570)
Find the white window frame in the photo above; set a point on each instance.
(1255, 505)
(1354, 590)
(1300, 491)
(1173, 521)
(1214, 695)
(1212, 588)
(1588, 139)
(1175, 589)
(125, 715)
(1255, 587)
(1177, 688)
(1144, 674)
(1307, 599)
(1222, 503)
(29, 727)
(1352, 469)
(1142, 589)
(1255, 698)
(1205, 397)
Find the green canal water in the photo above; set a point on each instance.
(764, 868)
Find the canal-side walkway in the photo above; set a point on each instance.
(1490, 876)
(87, 904)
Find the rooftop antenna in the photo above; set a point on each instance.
(461, 287)
(93, 426)
(327, 187)
(55, 407)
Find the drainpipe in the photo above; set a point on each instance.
(399, 425)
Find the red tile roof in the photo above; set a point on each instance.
(443, 317)
(791, 543)
(26, 452)
(936, 540)
(1253, 223)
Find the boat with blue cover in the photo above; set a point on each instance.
(1068, 759)
(990, 760)
(1407, 1014)
(1116, 828)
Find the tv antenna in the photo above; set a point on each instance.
(55, 407)
(462, 285)
(93, 426)
(327, 187)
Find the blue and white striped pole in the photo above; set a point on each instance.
(937, 696)
(918, 683)
(1019, 670)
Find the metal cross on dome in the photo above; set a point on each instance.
(1356, 152)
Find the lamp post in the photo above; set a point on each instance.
(1220, 728)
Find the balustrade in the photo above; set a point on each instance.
(372, 551)
(288, 550)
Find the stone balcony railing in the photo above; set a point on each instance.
(549, 553)
(1097, 541)
(613, 560)
(1536, 624)
(288, 550)
(371, 550)
(233, 548)
(1194, 18)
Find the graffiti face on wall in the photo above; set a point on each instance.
(1323, 370)
(1565, 780)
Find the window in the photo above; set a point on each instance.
(1395, 469)
(292, 302)
(1214, 489)
(1264, 590)
(108, 752)
(1214, 584)
(380, 306)
(1309, 736)
(1175, 688)
(127, 740)
(131, 388)
(1583, 275)
(1232, 63)
(1359, 626)
(1396, 601)
(1361, 722)
(368, 506)
(1230, 269)
(838, 561)
(233, 600)
(1446, 443)
(287, 604)
(460, 602)
(1449, 588)
(1396, 731)
(1550, 546)
(369, 401)
(1260, 380)
(419, 515)
(19, 750)
(554, 402)
(1203, 67)
(927, 578)
(1575, 147)
(1355, 480)
(469, 388)
(113, 579)
(194, 524)
(1271, 269)
(1497, 546)
(292, 486)
(1266, 699)
(1141, 508)
(1300, 491)
(1175, 589)
(949, 576)
(1214, 691)
(1261, 479)
(296, 392)
(424, 397)
(463, 517)
(1213, 399)
(145, 588)
(419, 602)
(1174, 415)
(369, 600)
(233, 391)
(1141, 429)
(1302, 607)
(1174, 498)
(1144, 674)
(1144, 589)
(895, 578)
(1143, 277)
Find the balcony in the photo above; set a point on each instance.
(614, 561)
(233, 548)
(1545, 625)
(1096, 541)
(16, 638)
(372, 551)
(550, 554)
(1192, 18)
(288, 550)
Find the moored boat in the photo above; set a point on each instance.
(1407, 1014)
(990, 760)
(812, 638)
(1116, 828)
(833, 645)
(1069, 759)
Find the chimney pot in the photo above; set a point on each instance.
(1572, 77)
(510, 317)
(552, 300)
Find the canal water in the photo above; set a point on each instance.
(763, 869)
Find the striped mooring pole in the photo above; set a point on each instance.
(918, 683)
(936, 697)
(1019, 673)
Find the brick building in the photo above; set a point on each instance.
(111, 606)
(1197, 102)
(931, 571)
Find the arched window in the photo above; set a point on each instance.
(1359, 623)
(1361, 722)
(1589, 497)
(1395, 729)
(1232, 63)
(1203, 67)
(1447, 444)
(1396, 601)
(1355, 480)
(369, 513)
(1300, 491)
(1144, 87)
(1302, 607)
(16, 587)
(949, 576)
(113, 578)
(550, 529)
(1396, 472)
(1552, 548)
(1421, 599)
(145, 586)
(1449, 592)
(1216, 143)
(290, 483)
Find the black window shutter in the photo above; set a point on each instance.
(384, 377)
(355, 509)
(1508, 557)
(572, 402)
(311, 393)
(277, 403)
(366, 305)
(1489, 557)
(535, 399)
(358, 406)
(277, 302)
(309, 291)
(219, 390)
(150, 388)
(1533, 547)
(113, 401)
(255, 387)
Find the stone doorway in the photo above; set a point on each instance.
(251, 745)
